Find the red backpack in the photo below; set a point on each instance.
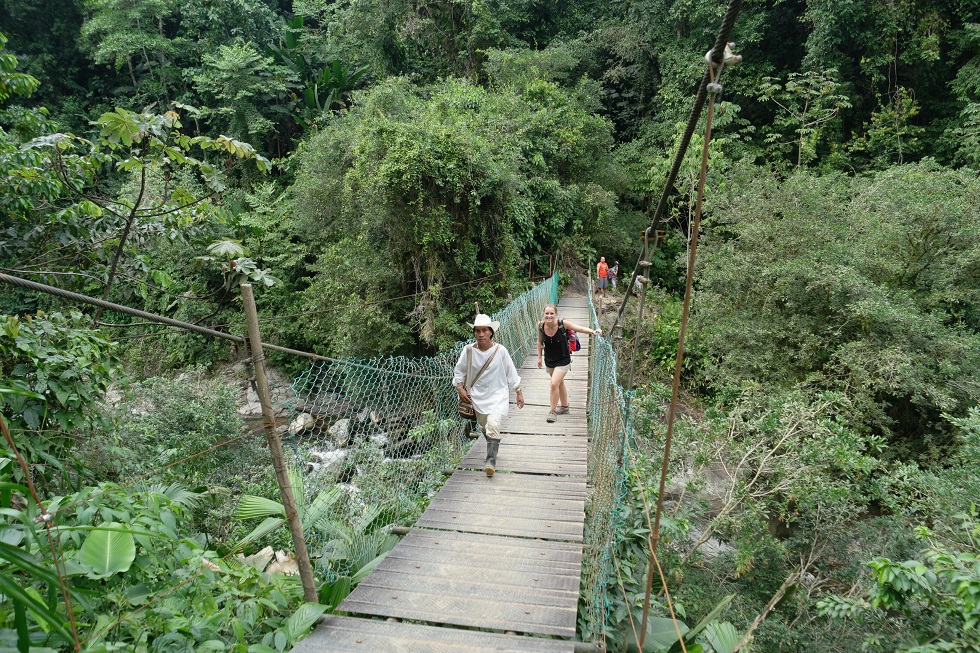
(573, 343)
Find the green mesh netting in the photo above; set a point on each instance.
(609, 430)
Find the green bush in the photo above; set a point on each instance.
(61, 368)
(139, 580)
(866, 285)
(186, 430)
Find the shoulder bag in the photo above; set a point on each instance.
(466, 408)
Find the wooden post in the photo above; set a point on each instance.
(275, 447)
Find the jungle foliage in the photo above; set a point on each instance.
(376, 167)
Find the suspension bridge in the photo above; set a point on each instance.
(501, 562)
(492, 562)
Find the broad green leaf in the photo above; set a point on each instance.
(119, 127)
(11, 536)
(137, 594)
(711, 616)
(333, 593)
(301, 621)
(41, 619)
(661, 635)
(108, 550)
(226, 248)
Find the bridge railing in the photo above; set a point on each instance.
(386, 428)
(609, 431)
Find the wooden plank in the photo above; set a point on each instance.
(491, 490)
(528, 456)
(452, 511)
(533, 554)
(528, 443)
(505, 585)
(546, 428)
(528, 464)
(552, 529)
(527, 467)
(463, 611)
(476, 482)
(571, 443)
(542, 440)
(500, 503)
(552, 574)
(338, 634)
(539, 448)
(482, 569)
(497, 503)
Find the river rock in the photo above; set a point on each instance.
(340, 431)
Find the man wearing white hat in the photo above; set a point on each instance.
(483, 375)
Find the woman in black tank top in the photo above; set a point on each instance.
(553, 354)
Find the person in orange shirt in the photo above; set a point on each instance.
(602, 276)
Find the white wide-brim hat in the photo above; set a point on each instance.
(485, 321)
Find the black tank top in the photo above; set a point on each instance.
(556, 352)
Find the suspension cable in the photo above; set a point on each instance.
(716, 57)
(714, 69)
(119, 308)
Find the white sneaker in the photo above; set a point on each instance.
(552, 416)
(562, 410)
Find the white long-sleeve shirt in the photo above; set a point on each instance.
(491, 393)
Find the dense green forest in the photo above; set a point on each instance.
(375, 167)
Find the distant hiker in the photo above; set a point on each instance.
(602, 276)
(614, 274)
(557, 359)
(484, 373)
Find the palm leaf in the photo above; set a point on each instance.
(722, 636)
(320, 505)
(370, 514)
(363, 572)
(267, 526)
(251, 506)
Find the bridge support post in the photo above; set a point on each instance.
(275, 447)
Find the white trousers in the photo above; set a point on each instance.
(490, 423)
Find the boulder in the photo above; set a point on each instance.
(283, 564)
(340, 432)
(301, 423)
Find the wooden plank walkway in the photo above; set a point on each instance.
(497, 554)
